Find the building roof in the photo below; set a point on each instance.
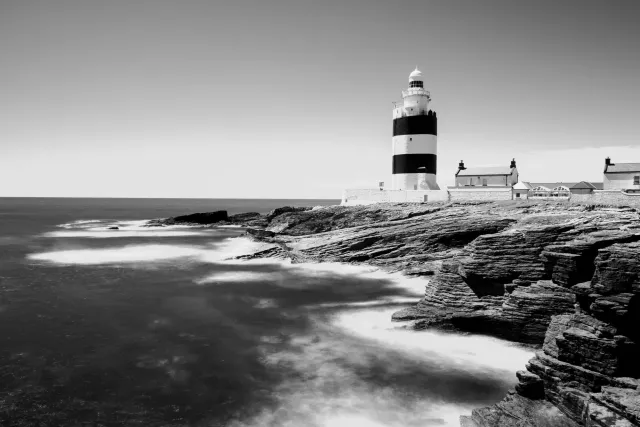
(522, 186)
(622, 167)
(486, 170)
(584, 185)
(551, 185)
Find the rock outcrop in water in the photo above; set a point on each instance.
(564, 278)
(200, 218)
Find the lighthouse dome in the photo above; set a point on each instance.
(415, 76)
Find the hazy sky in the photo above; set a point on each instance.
(292, 98)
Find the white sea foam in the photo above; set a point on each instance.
(105, 234)
(328, 391)
(234, 247)
(265, 303)
(120, 255)
(239, 276)
(409, 285)
(145, 253)
(99, 229)
(81, 223)
(472, 351)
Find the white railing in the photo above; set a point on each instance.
(402, 113)
(416, 91)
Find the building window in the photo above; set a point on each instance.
(484, 182)
(518, 195)
(636, 180)
(415, 84)
(410, 139)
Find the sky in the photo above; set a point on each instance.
(293, 98)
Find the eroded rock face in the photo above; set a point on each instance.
(564, 277)
(589, 360)
(518, 411)
(528, 309)
(567, 279)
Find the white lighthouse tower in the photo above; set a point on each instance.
(415, 140)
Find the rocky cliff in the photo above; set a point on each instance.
(563, 278)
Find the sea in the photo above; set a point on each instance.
(163, 327)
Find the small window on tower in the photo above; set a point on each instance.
(411, 139)
(636, 180)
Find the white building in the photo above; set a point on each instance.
(621, 176)
(521, 191)
(415, 142)
(487, 176)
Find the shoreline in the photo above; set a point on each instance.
(549, 275)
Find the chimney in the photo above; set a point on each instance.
(513, 163)
(607, 161)
(461, 165)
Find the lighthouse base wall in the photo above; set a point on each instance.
(369, 196)
(414, 181)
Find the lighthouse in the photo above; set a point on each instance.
(415, 142)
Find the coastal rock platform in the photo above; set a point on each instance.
(563, 278)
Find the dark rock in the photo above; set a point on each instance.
(244, 217)
(279, 211)
(250, 219)
(614, 406)
(573, 262)
(273, 252)
(530, 385)
(518, 411)
(528, 310)
(409, 313)
(260, 234)
(312, 221)
(203, 218)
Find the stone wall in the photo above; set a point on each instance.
(480, 193)
(607, 197)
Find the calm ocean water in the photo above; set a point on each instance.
(156, 327)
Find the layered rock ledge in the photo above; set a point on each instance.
(563, 278)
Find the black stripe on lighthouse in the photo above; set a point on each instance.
(415, 125)
(410, 163)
